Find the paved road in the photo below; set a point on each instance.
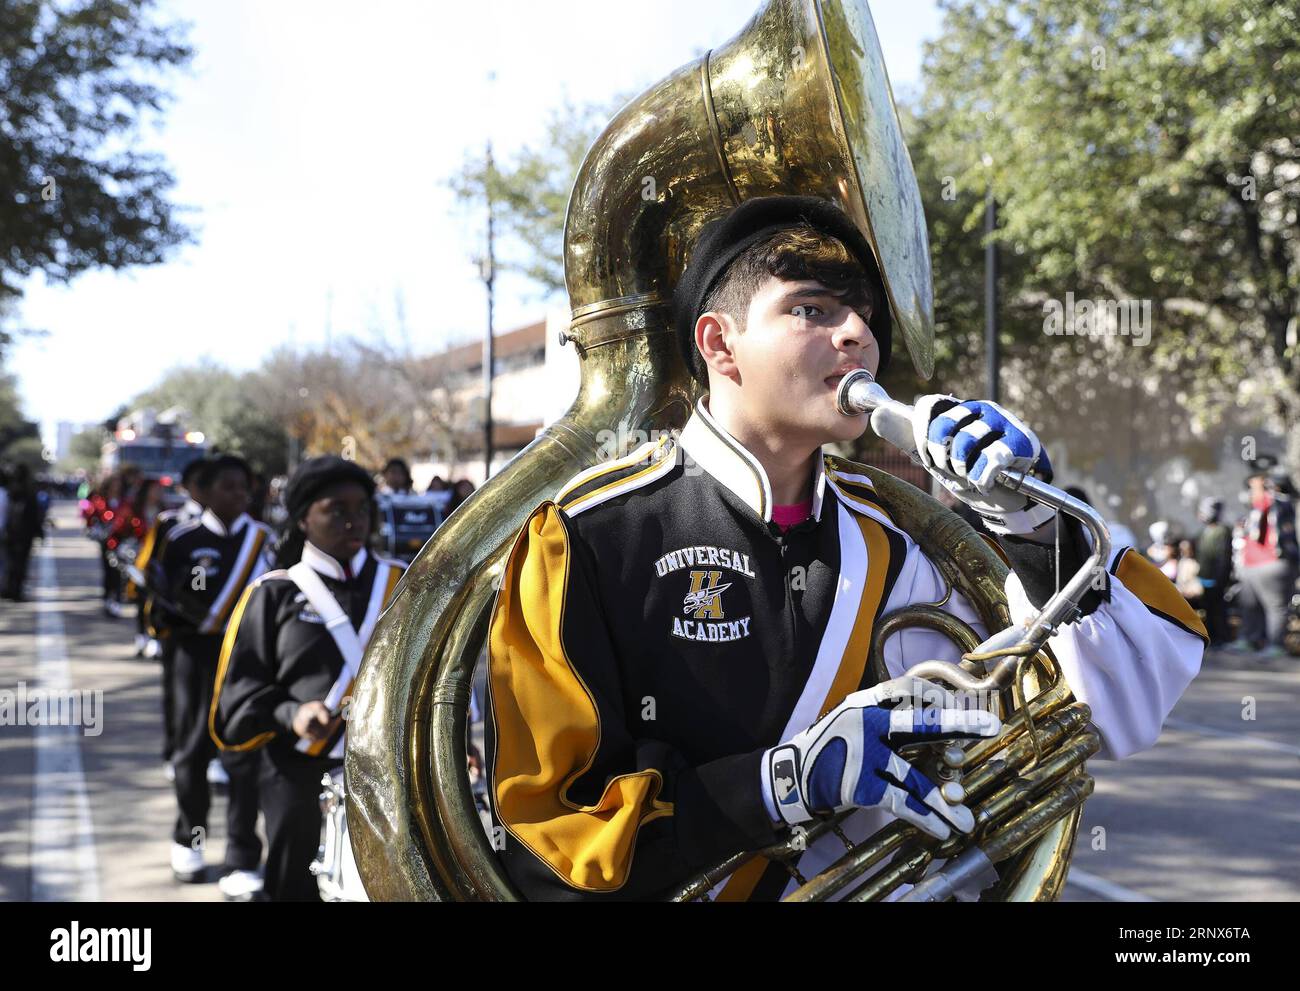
(103, 829)
(1212, 812)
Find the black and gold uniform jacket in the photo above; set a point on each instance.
(205, 567)
(146, 569)
(655, 632)
(278, 654)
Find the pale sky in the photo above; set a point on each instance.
(314, 140)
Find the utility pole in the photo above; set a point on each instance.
(489, 279)
(991, 295)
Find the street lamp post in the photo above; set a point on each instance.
(991, 352)
(489, 279)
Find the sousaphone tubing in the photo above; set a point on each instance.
(797, 103)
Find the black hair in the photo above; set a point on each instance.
(191, 469)
(142, 492)
(211, 468)
(792, 254)
(288, 549)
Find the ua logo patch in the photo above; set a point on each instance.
(705, 602)
(702, 618)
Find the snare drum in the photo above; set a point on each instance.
(335, 868)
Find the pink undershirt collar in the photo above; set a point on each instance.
(787, 516)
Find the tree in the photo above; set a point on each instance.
(367, 402)
(27, 451)
(219, 404)
(85, 450)
(20, 438)
(530, 193)
(75, 191)
(1138, 152)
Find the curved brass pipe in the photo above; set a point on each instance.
(797, 103)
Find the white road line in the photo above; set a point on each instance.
(63, 861)
(1109, 890)
(1255, 741)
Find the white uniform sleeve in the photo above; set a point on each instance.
(1131, 659)
(1128, 660)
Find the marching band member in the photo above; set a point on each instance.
(100, 511)
(147, 563)
(678, 650)
(397, 477)
(406, 519)
(290, 656)
(133, 526)
(206, 565)
(150, 552)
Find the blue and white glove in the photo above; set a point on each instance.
(965, 445)
(847, 758)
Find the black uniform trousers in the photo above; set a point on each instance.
(112, 577)
(168, 659)
(290, 793)
(194, 670)
(19, 553)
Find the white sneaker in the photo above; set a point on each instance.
(187, 864)
(152, 650)
(241, 886)
(216, 773)
(169, 771)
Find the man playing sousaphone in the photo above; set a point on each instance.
(678, 650)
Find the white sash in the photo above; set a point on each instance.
(214, 622)
(351, 643)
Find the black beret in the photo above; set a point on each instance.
(317, 474)
(724, 240)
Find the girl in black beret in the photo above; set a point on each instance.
(291, 654)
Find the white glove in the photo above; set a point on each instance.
(965, 445)
(846, 759)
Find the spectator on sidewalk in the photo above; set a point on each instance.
(1187, 574)
(1214, 555)
(1269, 560)
(22, 525)
(397, 477)
(4, 520)
(461, 491)
(1160, 549)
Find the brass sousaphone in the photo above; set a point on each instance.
(797, 103)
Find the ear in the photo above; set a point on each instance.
(302, 525)
(714, 333)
